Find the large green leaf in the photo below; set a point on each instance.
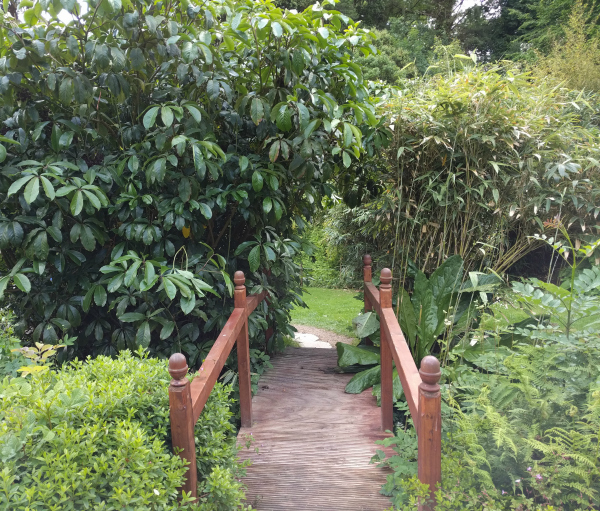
(32, 190)
(407, 318)
(267, 204)
(150, 117)
(257, 181)
(77, 203)
(142, 336)
(254, 258)
(349, 355)
(166, 114)
(365, 324)
(256, 110)
(426, 313)
(187, 304)
(22, 282)
(3, 284)
(363, 380)
(130, 317)
(137, 59)
(445, 282)
(18, 184)
(284, 118)
(277, 29)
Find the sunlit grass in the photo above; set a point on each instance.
(330, 309)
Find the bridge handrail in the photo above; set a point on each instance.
(187, 400)
(421, 387)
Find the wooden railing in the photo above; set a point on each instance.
(421, 387)
(186, 400)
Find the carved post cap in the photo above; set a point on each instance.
(178, 367)
(386, 277)
(430, 370)
(239, 279)
(367, 260)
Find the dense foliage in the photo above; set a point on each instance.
(149, 150)
(95, 435)
(480, 159)
(522, 415)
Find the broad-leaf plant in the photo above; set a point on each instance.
(149, 149)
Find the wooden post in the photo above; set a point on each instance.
(182, 420)
(243, 353)
(367, 278)
(430, 428)
(387, 383)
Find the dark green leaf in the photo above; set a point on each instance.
(284, 118)
(142, 337)
(349, 355)
(187, 304)
(137, 59)
(365, 324)
(48, 188)
(22, 282)
(77, 203)
(167, 330)
(150, 117)
(166, 115)
(267, 205)
(205, 210)
(170, 288)
(100, 296)
(363, 380)
(32, 190)
(254, 258)
(274, 151)
(130, 317)
(257, 181)
(18, 184)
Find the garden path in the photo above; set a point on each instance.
(312, 442)
(307, 333)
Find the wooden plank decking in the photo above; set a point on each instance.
(314, 441)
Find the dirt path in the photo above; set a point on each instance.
(324, 335)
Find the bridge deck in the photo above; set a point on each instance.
(314, 441)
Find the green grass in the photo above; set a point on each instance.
(330, 309)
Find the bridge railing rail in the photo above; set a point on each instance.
(187, 399)
(421, 386)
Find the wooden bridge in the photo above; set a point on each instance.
(311, 442)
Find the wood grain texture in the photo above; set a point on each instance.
(182, 425)
(407, 370)
(430, 428)
(314, 441)
(372, 295)
(211, 368)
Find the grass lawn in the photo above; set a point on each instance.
(330, 309)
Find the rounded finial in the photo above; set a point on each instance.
(239, 278)
(386, 276)
(178, 367)
(430, 370)
(367, 260)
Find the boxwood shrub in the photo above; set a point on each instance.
(95, 435)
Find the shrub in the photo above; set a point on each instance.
(150, 149)
(481, 158)
(95, 435)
